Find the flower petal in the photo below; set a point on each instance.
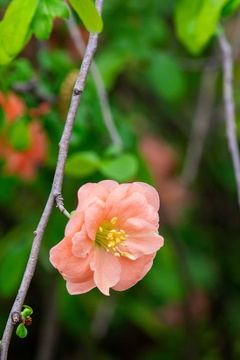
(93, 217)
(143, 244)
(80, 288)
(74, 224)
(133, 271)
(133, 205)
(133, 226)
(103, 189)
(151, 194)
(143, 237)
(83, 195)
(106, 269)
(70, 266)
(82, 244)
(88, 192)
(116, 195)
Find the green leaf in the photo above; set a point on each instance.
(14, 28)
(89, 15)
(82, 164)
(58, 8)
(13, 261)
(165, 77)
(113, 151)
(42, 23)
(196, 22)
(19, 135)
(21, 331)
(144, 317)
(203, 271)
(43, 20)
(21, 70)
(168, 287)
(6, 190)
(230, 7)
(111, 64)
(27, 311)
(121, 169)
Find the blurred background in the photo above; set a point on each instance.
(167, 106)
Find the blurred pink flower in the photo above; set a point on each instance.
(12, 105)
(112, 238)
(24, 163)
(163, 161)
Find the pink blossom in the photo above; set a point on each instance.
(112, 238)
(12, 105)
(24, 163)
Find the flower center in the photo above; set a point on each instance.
(111, 239)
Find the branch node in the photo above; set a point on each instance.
(59, 204)
(77, 92)
(16, 317)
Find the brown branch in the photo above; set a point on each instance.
(55, 191)
(60, 206)
(33, 87)
(49, 329)
(99, 84)
(200, 124)
(230, 107)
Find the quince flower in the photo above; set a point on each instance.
(22, 163)
(112, 238)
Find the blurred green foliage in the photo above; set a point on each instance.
(24, 18)
(187, 306)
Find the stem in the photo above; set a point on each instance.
(230, 107)
(55, 191)
(99, 84)
(200, 125)
(49, 330)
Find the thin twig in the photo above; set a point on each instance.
(59, 205)
(33, 87)
(55, 191)
(230, 107)
(200, 125)
(103, 317)
(99, 84)
(49, 330)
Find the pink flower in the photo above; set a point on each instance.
(12, 105)
(112, 238)
(25, 163)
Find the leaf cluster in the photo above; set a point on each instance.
(24, 18)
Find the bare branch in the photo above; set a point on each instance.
(98, 81)
(60, 206)
(55, 191)
(49, 329)
(200, 124)
(230, 107)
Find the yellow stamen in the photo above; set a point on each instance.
(111, 238)
(129, 256)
